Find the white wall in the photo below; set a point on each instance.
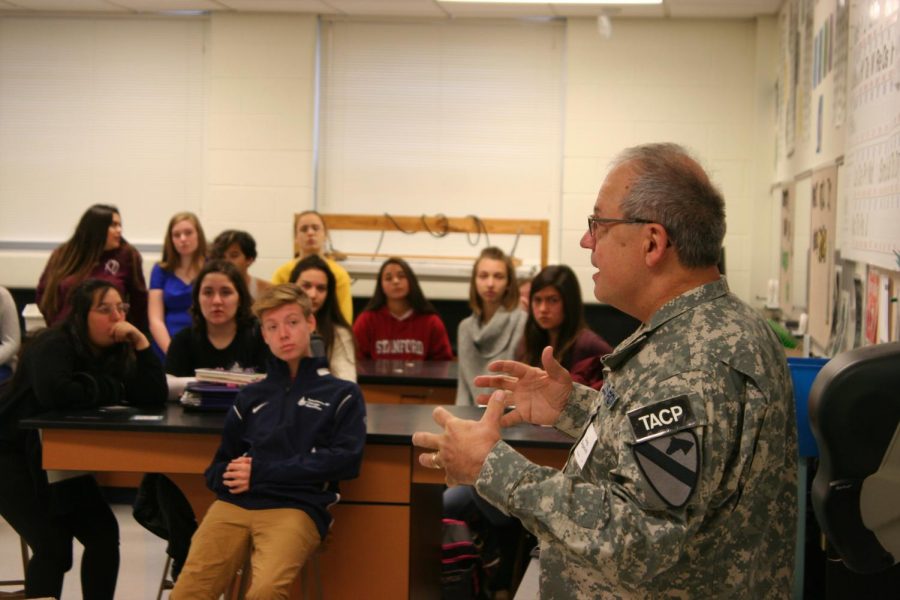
(700, 83)
(684, 81)
(259, 144)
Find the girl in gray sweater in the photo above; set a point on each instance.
(495, 327)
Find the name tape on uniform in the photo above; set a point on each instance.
(661, 418)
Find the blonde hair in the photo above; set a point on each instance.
(279, 295)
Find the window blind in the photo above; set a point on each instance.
(458, 118)
(99, 110)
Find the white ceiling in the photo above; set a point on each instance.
(736, 9)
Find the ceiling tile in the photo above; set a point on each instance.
(737, 9)
(593, 10)
(67, 6)
(158, 6)
(298, 6)
(466, 9)
(409, 8)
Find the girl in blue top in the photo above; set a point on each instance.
(171, 280)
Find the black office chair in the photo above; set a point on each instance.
(854, 409)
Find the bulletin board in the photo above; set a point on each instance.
(786, 250)
(873, 139)
(821, 296)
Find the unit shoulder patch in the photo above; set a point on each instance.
(661, 418)
(670, 465)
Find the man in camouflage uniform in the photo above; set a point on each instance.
(682, 483)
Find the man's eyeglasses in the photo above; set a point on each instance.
(108, 309)
(595, 222)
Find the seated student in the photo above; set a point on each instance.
(317, 281)
(493, 330)
(224, 333)
(93, 358)
(96, 250)
(239, 248)
(171, 279)
(398, 322)
(10, 335)
(309, 238)
(286, 442)
(556, 318)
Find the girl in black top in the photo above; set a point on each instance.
(93, 358)
(224, 333)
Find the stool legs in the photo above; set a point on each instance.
(165, 583)
(17, 582)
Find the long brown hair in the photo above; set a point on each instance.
(79, 255)
(244, 315)
(564, 280)
(510, 295)
(329, 314)
(415, 297)
(170, 259)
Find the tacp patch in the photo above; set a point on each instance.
(671, 466)
(661, 418)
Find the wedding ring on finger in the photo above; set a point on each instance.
(434, 461)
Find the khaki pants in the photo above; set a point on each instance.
(280, 540)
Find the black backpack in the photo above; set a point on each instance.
(461, 566)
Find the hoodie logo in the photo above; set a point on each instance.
(256, 408)
(111, 266)
(312, 403)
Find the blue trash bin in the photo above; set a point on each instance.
(803, 373)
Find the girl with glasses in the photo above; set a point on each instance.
(93, 358)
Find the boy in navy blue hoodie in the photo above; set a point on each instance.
(287, 441)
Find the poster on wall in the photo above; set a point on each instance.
(821, 296)
(786, 254)
(789, 77)
(873, 287)
(839, 54)
(872, 157)
(807, 50)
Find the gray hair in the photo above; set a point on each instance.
(671, 188)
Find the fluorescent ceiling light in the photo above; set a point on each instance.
(596, 2)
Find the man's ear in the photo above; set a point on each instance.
(656, 243)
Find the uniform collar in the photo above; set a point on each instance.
(668, 311)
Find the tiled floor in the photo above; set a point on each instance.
(142, 558)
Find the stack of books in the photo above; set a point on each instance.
(216, 389)
(237, 378)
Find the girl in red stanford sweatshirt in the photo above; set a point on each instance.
(399, 323)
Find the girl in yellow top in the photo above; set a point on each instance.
(310, 237)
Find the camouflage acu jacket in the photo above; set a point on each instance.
(689, 489)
